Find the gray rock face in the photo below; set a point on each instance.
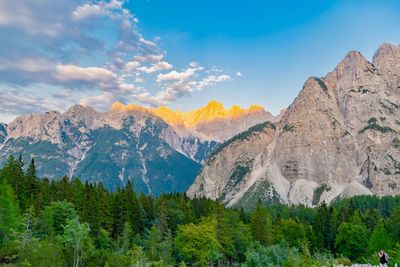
(339, 138)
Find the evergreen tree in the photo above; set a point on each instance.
(224, 234)
(394, 226)
(31, 185)
(10, 219)
(261, 225)
(153, 239)
(44, 195)
(13, 173)
(324, 227)
(133, 209)
(104, 200)
(166, 249)
(371, 219)
(55, 216)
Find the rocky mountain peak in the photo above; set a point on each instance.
(80, 109)
(386, 53)
(353, 69)
(81, 114)
(44, 126)
(387, 61)
(119, 107)
(170, 116)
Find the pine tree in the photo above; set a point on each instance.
(224, 234)
(261, 225)
(133, 208)
(14, 175)
(153, 239)
(324, 227)
(44, 196)
(90, 212)
(118, 213)
(31, 184)
(10, 219)
(105, 218)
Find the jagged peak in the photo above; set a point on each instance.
(386, 54)
(170, 116)
(77, 108)
(214, 105)
(256, 108)
(353, 67)
(213, 111)
(385, 48)
(353, 59)
(119, 107)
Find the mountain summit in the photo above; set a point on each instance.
(340, 137)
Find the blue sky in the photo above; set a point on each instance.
(178, 53)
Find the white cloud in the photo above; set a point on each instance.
(90, 74)
(149, 58)
(159, 66)
(211, 80)
(132, 65)
(102, 8)
(180, 76)
(180, 88)
(238, 73)
(93, 77)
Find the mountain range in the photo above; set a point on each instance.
(339, 138)
(159, 150)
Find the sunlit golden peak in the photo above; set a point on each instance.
(118, 106)
(213, 111)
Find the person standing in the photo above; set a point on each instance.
(383, 258)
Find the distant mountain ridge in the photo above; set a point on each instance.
(212, 122)
(125, 143)
(339, 138)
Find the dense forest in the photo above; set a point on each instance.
(68, 223)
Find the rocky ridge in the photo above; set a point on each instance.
(124, 143)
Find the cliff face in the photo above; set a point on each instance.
(340, 137)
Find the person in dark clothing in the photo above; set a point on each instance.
(383, 258)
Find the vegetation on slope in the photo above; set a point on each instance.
(243, 136)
